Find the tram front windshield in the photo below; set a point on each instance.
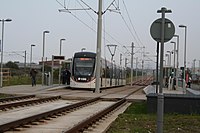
(84, 66)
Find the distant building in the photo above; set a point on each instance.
(56, 64)
(49, 63)
(27, 65)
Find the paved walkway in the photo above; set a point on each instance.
(43, 91)
(25, 89)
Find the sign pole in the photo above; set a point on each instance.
(162, 30)
(157, 82)
(160, 102)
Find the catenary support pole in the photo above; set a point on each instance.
(98, 50)
(132, 47)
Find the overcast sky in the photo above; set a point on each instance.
(31, 17)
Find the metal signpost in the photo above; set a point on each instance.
(162, 30)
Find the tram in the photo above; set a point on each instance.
(83, 72)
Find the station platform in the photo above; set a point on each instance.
(180, 90)
(66, 93)
(24, 89)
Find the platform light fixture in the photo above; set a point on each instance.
(1, 74)
(32, 45)
(61, 40)
(44, 32)
(184, 83)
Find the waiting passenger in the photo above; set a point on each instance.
(189, 82)
(68, 76)
(33, 73)
(64, 76)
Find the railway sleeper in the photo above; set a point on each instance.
(60, 114)
(54, 116)
(48, 118)
(18, 129)
(42, 121)
(26, 126)
(35, 123)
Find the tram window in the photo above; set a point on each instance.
(84, 66)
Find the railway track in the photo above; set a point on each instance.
(47, 115)
(146, 81)
(8, 106)
(16, 98)
(46, 120)
(85, 124)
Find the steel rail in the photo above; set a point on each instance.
(16, 104)
(27, 120)
(88, 122)
(146, 81)
(133, 92)
(16, 98)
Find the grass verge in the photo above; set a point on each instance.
(136, 120)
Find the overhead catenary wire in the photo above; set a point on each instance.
(88, 25)
(110, 6)
(132, 23)
(136, 37)
(88, 6)
(104, 22)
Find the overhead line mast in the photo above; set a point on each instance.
(99, 36)
(98, 50)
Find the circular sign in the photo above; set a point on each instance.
(156, 27)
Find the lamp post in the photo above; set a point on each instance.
(194, 66)
(174, 54)
(83, 49)
(2, 20)
(199, 68)
(32, 45)
(184, 83)
(174, 64)
(170, 55)
(61, 44)
(60, 63)
(44, 32)
(177, 59)
(167, 55)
